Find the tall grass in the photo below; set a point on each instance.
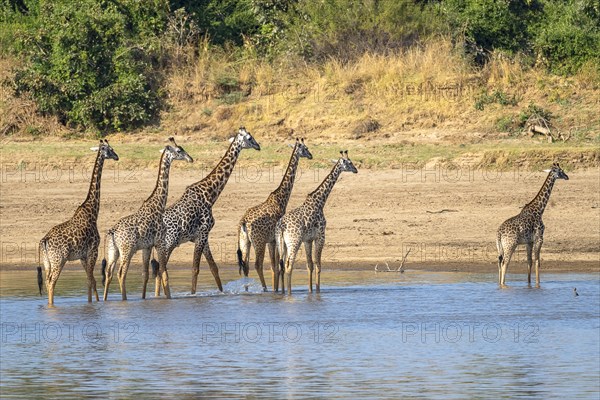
(431, 85)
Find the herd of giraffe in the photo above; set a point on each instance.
(267, 225)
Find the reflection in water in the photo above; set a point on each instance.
(366, 335)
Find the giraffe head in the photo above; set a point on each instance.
(106, 151)
(301, 149)
(345, 163)
(557, 172)
(176, 152)
(245, 139)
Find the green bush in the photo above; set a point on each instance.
(345, 28)
(90, 63)
(16, 16)
(223, 21)
(493, 24)
(497, 96)
(569, 36)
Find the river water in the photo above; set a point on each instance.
(367, 335)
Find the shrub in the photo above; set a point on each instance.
(493, 24)
(497, 96)
(91, 63)
(346, 29)
(569, 37)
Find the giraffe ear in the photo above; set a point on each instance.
(547, 170)
(161, 151)
(333, 161)
(290, 145)
(95, 148)
(231, 139)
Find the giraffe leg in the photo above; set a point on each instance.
(309, 264)
(84, 264)
(113, 257)
(51, 278)
(126, 255)
(158, 281)
(92, 258)
(213, 266)
(162, 278)
(281, 260)
(198, 248)
(88, 265)
(529, 247)
(145, 269)
(259, 253)
(537, 249)
(505, 262)
(289, 264)
(319, 244)
(163, 253)
(274, 266)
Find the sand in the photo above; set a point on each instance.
(446, 217)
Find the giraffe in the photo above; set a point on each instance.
(306, 224)
(526, 228)
(143, 229)
(77, 238)
(257, 226)
(190, 218)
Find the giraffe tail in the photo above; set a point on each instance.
(240, 255)
(103, 271)
(40, 278)
(155, 265)
(110, 233)
(280, 250)
(500, 250)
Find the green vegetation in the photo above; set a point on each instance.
(372, 155)
(114, 65)
(497, 97)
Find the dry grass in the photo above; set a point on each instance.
(428, 87)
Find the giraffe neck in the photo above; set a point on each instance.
(214, 183)
(281, 195)
(539, 202)
(161, 190)
(92, 202)
(320, 194)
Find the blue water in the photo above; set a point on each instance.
(367, 335)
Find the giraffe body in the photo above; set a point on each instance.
(257, 226)
(306, 224)
(77, 238)
(190, 218)
(143, 229)
(526, 228)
